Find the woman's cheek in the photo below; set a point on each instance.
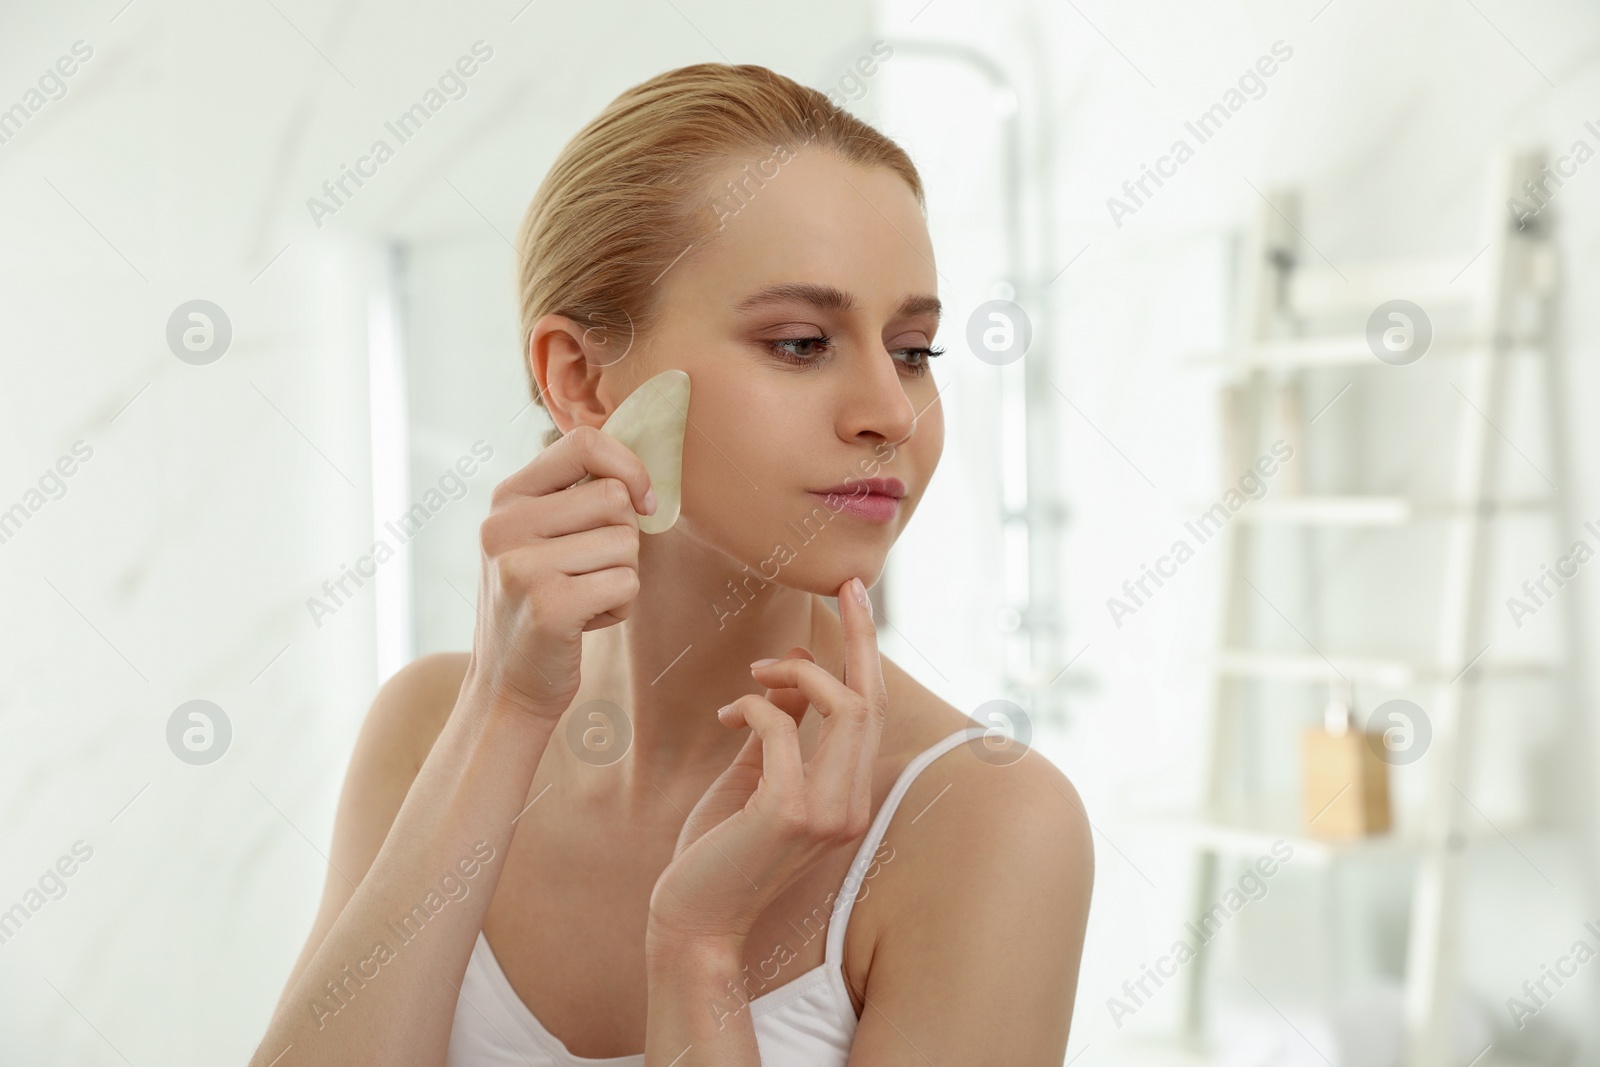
(720, 504)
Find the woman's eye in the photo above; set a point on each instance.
(808, 350)
(803, 350)
(919, 357)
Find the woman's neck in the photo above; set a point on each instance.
(685, 650)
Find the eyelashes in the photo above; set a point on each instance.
(823, 342)
(779, 349)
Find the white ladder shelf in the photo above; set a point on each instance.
(1279, 295)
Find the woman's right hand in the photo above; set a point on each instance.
(559, 559)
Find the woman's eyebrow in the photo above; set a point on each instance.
(822, 297)
(919, 305)
(830, 298)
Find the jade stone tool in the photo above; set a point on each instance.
(651, 421)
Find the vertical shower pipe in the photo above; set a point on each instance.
(1032, 519)
(395, 605)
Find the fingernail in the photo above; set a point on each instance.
(650, 501)
(861, 592)
(763, 663)
(722, 712)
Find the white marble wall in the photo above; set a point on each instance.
(216, 499)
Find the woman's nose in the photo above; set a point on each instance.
(876, 402)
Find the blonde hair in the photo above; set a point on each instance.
(630, 193)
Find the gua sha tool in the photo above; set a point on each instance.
(651, 421)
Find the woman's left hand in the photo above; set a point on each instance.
(771, 815)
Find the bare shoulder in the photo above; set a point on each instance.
(410, 710)
(1001, 783)
(982, 901)
(1008, 802)
(405, 718)
(918, 717)
(986, 803)
(985, 836)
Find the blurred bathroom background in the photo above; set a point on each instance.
(1340, 346)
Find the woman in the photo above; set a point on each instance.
(833, 867)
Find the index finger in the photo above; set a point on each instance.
(863, 670)
(582, 452)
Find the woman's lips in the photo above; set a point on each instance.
(873, 499)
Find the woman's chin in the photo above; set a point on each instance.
(825, 580)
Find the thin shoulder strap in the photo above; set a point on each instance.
(845, 902)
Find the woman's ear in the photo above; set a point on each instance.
(568, 381)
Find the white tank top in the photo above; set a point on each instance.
(806, 1022)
